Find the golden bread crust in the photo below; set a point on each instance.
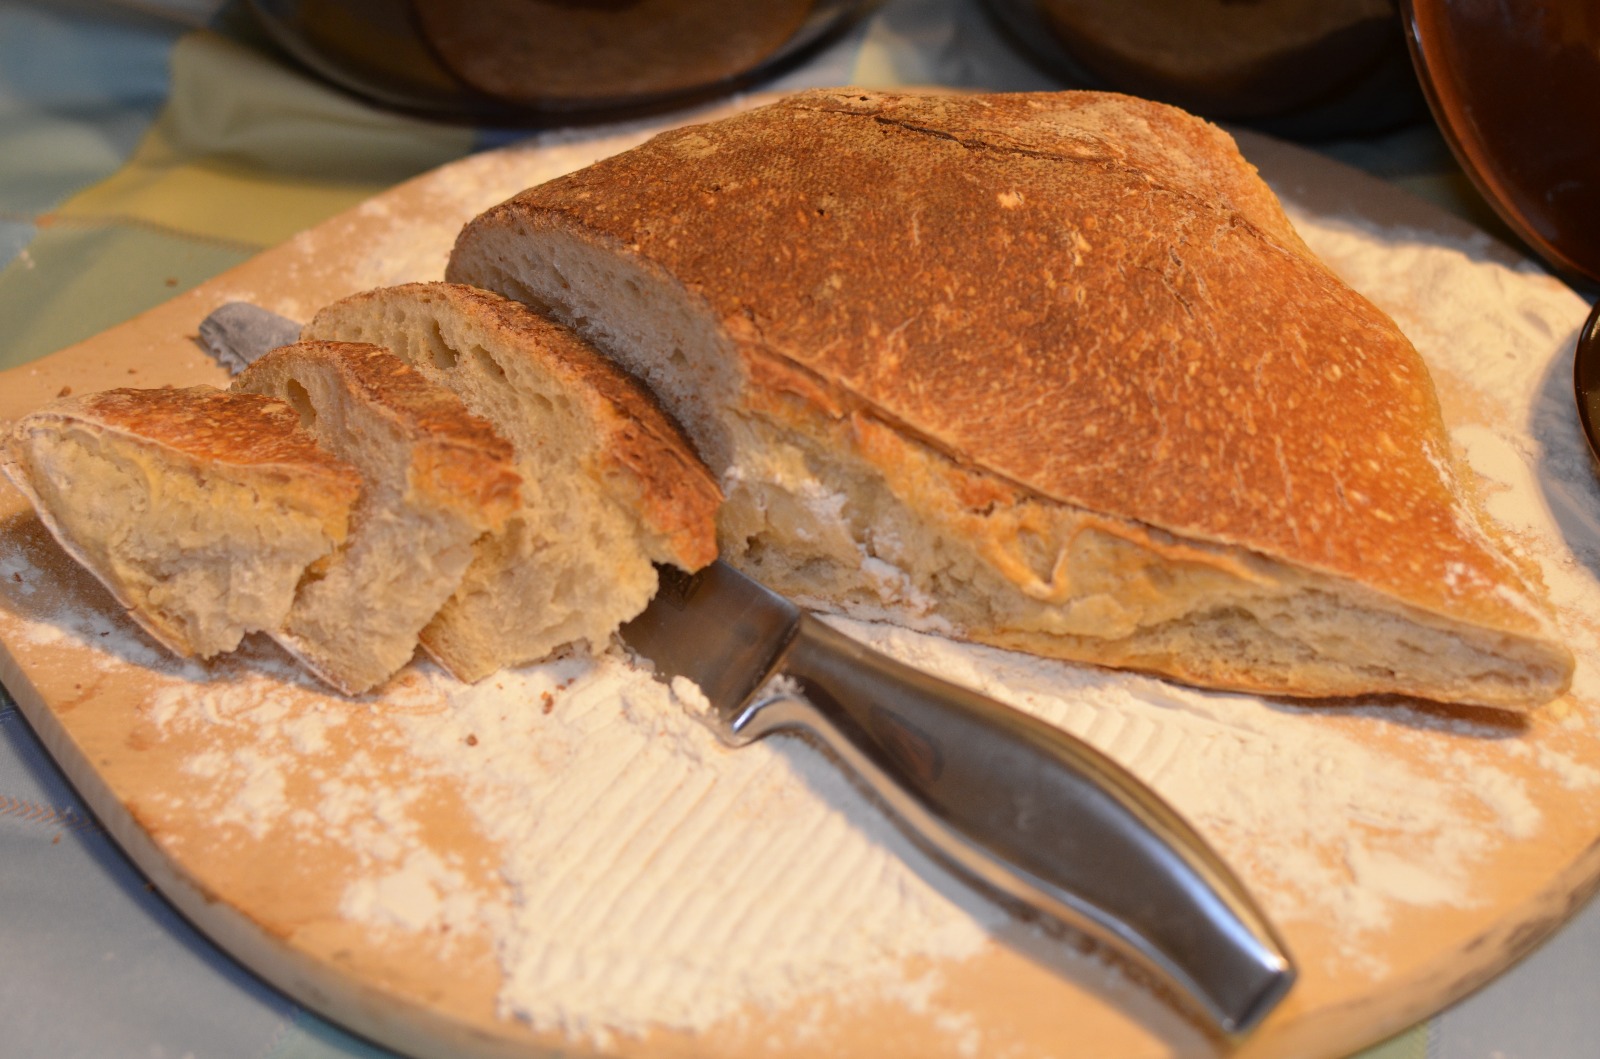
(1090, 296)
(246, 433)
(210, 425)
(456, 456)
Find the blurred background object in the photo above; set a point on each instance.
(1308, 69)
(548, 61)
(1515, 88)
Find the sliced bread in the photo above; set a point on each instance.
(610, 485)
(198, 509)
(436, 479)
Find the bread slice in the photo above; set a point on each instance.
(436, 479)
(198, 509)
(1052, 371)
(610, 484)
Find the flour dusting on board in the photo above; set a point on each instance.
(645, 876)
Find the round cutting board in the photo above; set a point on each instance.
(1407, 853)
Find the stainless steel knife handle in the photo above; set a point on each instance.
(1038, 815)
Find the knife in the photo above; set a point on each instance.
(1018, 806)
(237, 333)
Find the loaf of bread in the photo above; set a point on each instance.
(198, 509)
(1050, 371)
(609, 483)
(435, 479)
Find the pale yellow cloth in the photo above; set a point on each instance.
(250, 152)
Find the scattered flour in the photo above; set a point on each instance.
(661, 878)
(421, 893)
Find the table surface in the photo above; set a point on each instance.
(146, 146)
